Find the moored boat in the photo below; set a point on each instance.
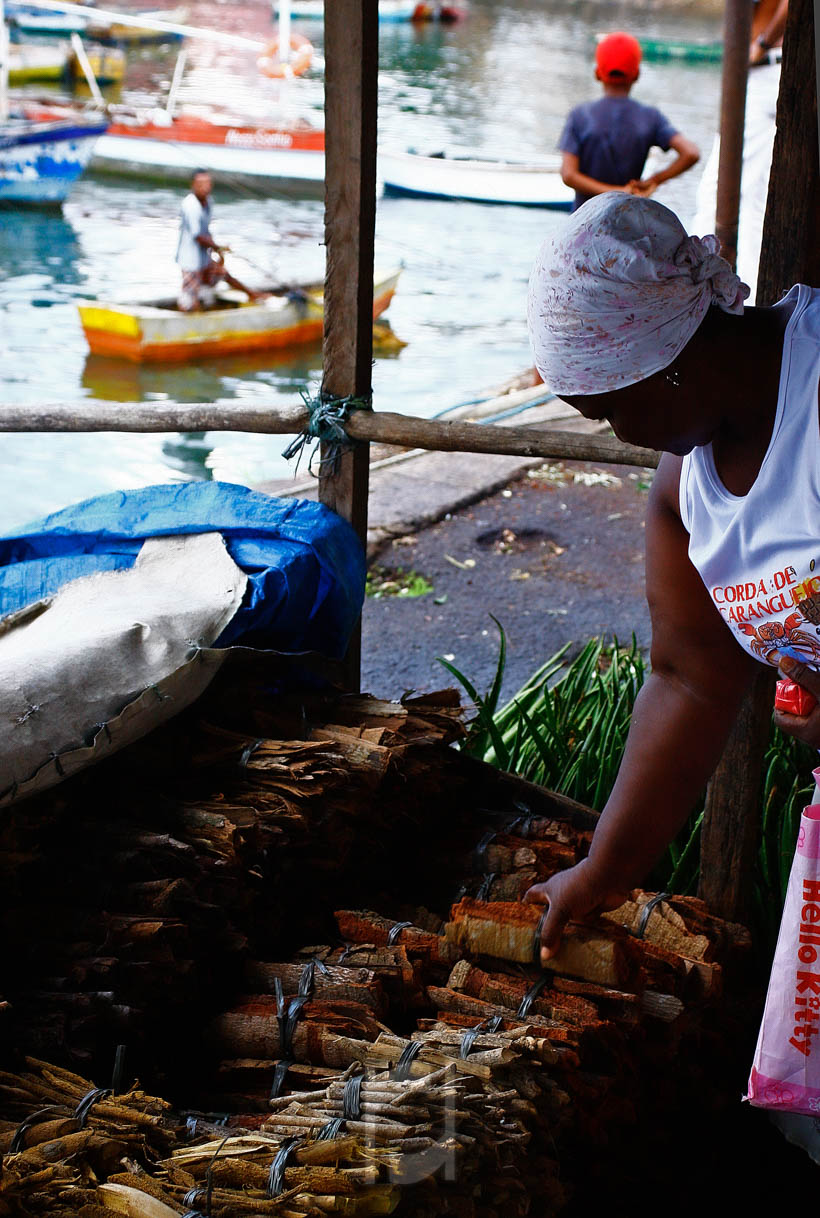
(478, 180)
(279, 157)
(31, 64)
(156, 147)
(708, 51)
(156, 331)
(389, 10)
(40, 162)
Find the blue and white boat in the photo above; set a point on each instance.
(40, 162)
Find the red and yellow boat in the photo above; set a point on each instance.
(157, 332)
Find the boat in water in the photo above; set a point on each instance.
(28, 20)
(31, 63)
(155, 146)
(277, 157)
(40, 162)
(478, 180)
(389, 10)
(157, 331)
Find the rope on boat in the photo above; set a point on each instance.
(327, 415)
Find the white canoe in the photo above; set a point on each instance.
(533, 184)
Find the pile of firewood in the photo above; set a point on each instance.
(214, 917)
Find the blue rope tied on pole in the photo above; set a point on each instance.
(327, 415)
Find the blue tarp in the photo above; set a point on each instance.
(305, 565)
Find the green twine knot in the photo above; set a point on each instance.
(327, 415)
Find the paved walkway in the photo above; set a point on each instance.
(411, 490)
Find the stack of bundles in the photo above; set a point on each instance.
(146, 876)
(60, 1137)
(513, 1073)
(400, 1058)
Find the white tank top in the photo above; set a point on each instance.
(759, 554)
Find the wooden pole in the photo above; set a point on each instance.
(397, 430)
(351, 97)
(737, 34)
(790, 253)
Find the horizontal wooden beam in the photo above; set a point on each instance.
(382, 427)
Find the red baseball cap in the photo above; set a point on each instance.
(618, 53)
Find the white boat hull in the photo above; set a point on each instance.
(267, 165)
(479, 181)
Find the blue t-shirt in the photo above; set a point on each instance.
(611, 138)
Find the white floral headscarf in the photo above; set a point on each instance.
(616, 295)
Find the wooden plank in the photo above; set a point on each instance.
(351, 101)
(731, 822)
(790, 250)
(737, 34)
(790, 253)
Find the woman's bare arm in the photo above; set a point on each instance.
(680, 723)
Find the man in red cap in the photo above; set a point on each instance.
(605, 143)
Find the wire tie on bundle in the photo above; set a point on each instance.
(468, 1040)
(327, 415)
(118, 1073)
(287, 1016)
(536, 943)
(646, 913)
(352, 1098)
(484, 843)
(88, 1101)
(331, 1130)
(35, 1118)
(485, 886)
(491, 1024)
(306, 980)
(276, 1178)
(408, 1055)
(280, 1073)
(395, 931)
(248, 752)
(193, 1198)
(530, 997)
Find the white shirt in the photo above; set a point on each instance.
(759, 554)
(194, 221)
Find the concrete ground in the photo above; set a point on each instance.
(556, 556)
(553, 550)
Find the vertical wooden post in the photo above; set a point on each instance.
(790, 253)
(351, 95)
(737, 34)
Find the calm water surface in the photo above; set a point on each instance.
(500, 83)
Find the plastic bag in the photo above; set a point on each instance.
(786, 1071)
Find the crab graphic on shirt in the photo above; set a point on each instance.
(771, 640)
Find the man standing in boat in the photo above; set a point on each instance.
(198, 256)
(605, 143)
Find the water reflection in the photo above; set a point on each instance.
(188, 452)
(35, 241)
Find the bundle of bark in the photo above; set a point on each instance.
(61, 1138)
(163, 870)
(552, 1062)
(346, 1062)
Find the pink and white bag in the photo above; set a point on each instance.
(786, 1071)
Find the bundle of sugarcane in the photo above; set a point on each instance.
(60, 1136)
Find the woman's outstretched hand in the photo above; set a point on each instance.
(803, 727)
(571, 896)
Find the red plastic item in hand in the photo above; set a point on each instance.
(793, 699)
